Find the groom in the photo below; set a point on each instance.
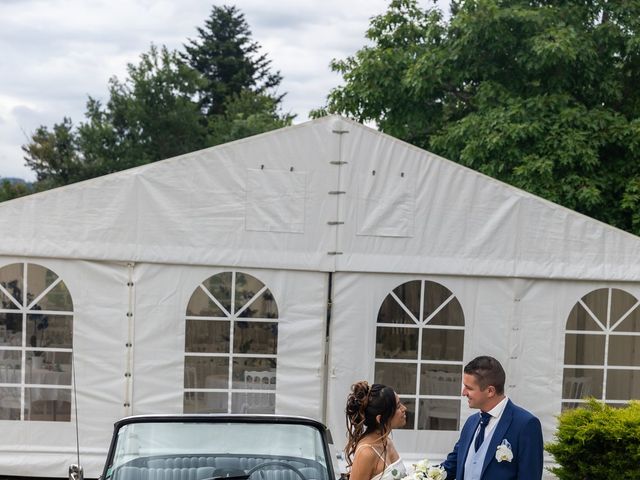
(502, 441)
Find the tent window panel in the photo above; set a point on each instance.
(246, 288)
(11, 329)
(621, 303)
(598, 301)
(206, 402)
(253, 402)
(442, 344)
(410, 404)
(48, 404)
(40, 278)
(53, 331)
(254, 373)
(48, 368)
(450, 315)
(631, 323)
(436, 414)
(400, 376)
(440, 379)
(584, 349)
(623, 384)
(201, 305)
(6, 302)
(397, 343)
(206, 372)
(12, 279)
(579, 319)
(56, 299)
(624, 350)
(579, 383)
(263, 306)
(392, 312)
(9, 360)
(434, 296)
(10, 405)
(409, 294)
(220, 287)
(210, 336)
(255, 337)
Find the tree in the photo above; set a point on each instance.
(540, 94)
(228, 59)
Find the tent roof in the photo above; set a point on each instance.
(328, 195)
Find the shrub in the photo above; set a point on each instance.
(597, 442)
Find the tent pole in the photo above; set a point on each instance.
(327, 347)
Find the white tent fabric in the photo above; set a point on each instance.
(328, 199)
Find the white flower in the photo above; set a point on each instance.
(503, 452)
(424, 470)
(436, 473)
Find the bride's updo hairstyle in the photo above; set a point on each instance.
(364, 404)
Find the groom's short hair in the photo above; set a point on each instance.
(487, 371)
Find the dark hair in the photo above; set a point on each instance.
(487, 371)
(364, 404)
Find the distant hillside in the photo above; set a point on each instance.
(15, 180)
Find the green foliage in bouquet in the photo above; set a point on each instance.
(597, 441)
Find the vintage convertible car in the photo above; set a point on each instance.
(210, 447)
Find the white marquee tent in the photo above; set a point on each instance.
(201, 283)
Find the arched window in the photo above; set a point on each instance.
(36, 340)
(231, 343)
(602, 349)
(419, 351)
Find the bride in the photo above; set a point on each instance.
(372, 413)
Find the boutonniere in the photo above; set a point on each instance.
(503, 452)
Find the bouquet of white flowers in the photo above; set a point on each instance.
(424, 470)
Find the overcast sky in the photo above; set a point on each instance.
(54, 53)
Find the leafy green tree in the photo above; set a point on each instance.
(541, 94)
(229, 60)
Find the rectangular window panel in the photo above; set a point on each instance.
(439, 414)
(442, 344)
(440, 379)
(623, 384)
(48, 368)
(581, 349)
(206, 372)
(206, 402)
(253, 402)
(400, 376)
(47, 404)
(53, 331)
(397, 342)
(9, 403)
(624, 351)
(11, 329)
(582, 382)
(255, 337)
(210, 336)
(10, 366)
(254, 373)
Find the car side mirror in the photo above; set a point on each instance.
(76, 472)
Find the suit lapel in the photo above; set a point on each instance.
(498, 434)
(466, 442)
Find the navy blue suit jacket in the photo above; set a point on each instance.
(521, 429)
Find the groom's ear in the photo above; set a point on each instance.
(491, 391)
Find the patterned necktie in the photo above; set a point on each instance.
(484, 421)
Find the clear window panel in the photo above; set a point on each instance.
(581, 383)
(264, 306)
(410, 404)
(442, 344)
(584, 349)
(400, 376)
(201, 305)
(246, 288)
(10, 403)
(10, 368)
(40, 278)
(57, 299)
(53, 331)
(48, 368)
(409, 295)
(434, 296)
(11, 329)
(206, 372)
(391, 312)
(450, 315)
(207, 336)
(12, 279)
(579, 319)
(440, 379)
(571, 406)
(220, 287)
(206, 402)
(597, 301)
(631, 323)
(254, 373)
(621, 303)
(6, 303)
(255, 337)
(253, 402)
(397, 342)
(438, 414)
(624, 350)
(48, 404)
(623, 384)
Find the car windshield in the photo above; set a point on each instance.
(208, 450)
